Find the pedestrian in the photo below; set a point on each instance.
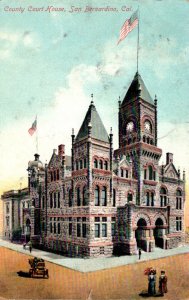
(139, 253)
(30, 246)
(162, 283)
(152, 283)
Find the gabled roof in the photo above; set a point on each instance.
(98, 130)
(137, 88)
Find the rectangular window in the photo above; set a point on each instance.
(145, 174)
(58, 199)
(178, 223)
(104, 230)
(51, 201)
(113, 229)
(50, 227)
(70, 228)
(84, 229)
(97, 230)
(78, 229)
(126, 174)
(58, 228)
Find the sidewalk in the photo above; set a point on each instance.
(95, 264)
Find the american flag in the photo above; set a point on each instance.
(33, 127)
(128, 26)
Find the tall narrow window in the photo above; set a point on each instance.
(150, 172)
(54, 200)
(106, 165)
(70, 197)
(70, 226)
(145, 173)
(113, 226)
(126, 173)
(84, 196)
(122, 173)
(129, 197)
(78, 197)
(104, 196)
(85, 163)
(97, 227)
(101, 164)
(178, 224)
(58, 199)
(97, 196)
(77, 165)
(152, 199)
(78, 227)
(114, 197)
(84, 227)
(147, 198)
(104, 227)
(58, 228)
(58, 177)
(81, 164)
(54, 175)
(178, 199)
(51, 200)
(95, 163)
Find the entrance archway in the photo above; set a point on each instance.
(27, 230)
(158, 233)
(140, 233)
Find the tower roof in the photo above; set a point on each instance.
(93, 119)
(137, 88)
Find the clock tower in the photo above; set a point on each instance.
(138, 134)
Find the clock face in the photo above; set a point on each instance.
(130, 126)
(147, 126)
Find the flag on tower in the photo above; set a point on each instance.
(128, 26)
(33, 127)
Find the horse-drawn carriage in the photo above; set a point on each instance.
(38, 268)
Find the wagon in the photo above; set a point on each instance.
(38, 268)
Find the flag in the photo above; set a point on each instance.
(128, 26)
(33, 127)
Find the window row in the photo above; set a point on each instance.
(81, 164)
(148, 140)
(55, 200)
(101, 227)
(100, 164)
(55, 175)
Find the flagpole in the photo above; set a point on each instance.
(36, 136)
(138, 39)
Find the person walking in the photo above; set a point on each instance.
(162, 283)
(30, 246)
(139, 253)
(152, 283)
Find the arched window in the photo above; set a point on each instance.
(104, 196)
(114, 197)
(70, 197)
(84, 196)
(129, 197)
(163, 197)
(97, 196)
(101, 164)
(106, 165)
(150, 173)
(81, 164)
(178, 199)
(95, 163)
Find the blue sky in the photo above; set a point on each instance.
(52, 62)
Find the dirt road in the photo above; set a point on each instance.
(117, 283)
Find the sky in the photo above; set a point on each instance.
(52, 61)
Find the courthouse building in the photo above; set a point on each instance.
(100, 201)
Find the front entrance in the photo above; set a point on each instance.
(158, 233)
(140, 234)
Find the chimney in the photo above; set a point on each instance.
(61, 150)
(169, 158)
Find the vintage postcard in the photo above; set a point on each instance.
(94, 139)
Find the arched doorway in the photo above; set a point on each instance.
(140, 234)
(27, 230)
(158, 233)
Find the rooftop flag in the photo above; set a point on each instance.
(33, 127)
(128, 26)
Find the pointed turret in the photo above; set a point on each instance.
(137, 89)
(98, 130)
